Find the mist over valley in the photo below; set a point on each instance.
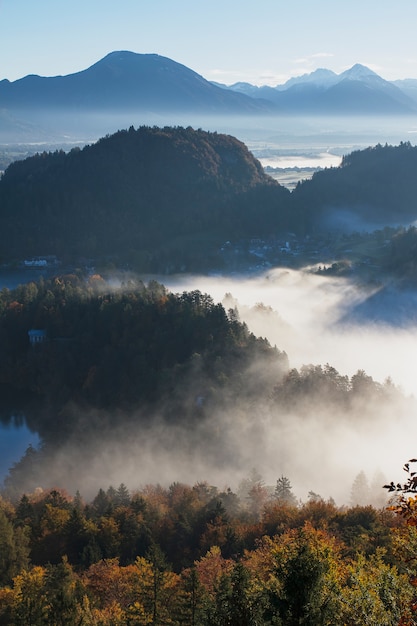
(322, 266)
(338, 387)
(208, 339)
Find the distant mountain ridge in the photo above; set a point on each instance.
(356, 90)
(125, 80)
(130, 87)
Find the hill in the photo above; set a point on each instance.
(155, 198)
(372, 188)
(113, 356)
(167, 199)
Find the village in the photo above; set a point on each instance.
(328, 252)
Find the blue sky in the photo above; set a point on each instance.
(263, 42)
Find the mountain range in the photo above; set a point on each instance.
(136, 88)
(357, 90)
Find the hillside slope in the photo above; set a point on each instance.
(149, 196)
(372, 188)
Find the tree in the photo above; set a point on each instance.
(301, 573)
(360, 492)
(375, 593)
(122, 496)
(64, 593)
(245, 604)
(30, 602)
(14, 549)
(283, 492)
(191, 597)
(253, 490)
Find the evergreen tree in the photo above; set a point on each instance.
(283, 492)
(360, 493)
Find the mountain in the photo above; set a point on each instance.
(15, 130)
(155, 198)
(320, 77)
(407, 86)
(125, 81)
(127, 88)
(358, 90)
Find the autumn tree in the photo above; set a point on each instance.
(14, 548)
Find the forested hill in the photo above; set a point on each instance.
(121, 352)
(152, 197)
(174, 371)
(376, 186)
(165, 200)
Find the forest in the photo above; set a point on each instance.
(137, 368)
(165, 200)
(155, 198)
(119, 349)
(377, 185)
(198, 555)
(118, 360)
(179, 553)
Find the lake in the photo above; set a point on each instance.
(15, 437)
(11, 278)
(14, 440)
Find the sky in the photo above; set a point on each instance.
(263, 43)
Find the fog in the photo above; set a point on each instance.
(319, 445)
(309, 319)
(266, 136)
(308, 316)
(315, 159)
(314, 319)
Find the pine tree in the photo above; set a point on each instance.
(283, 492)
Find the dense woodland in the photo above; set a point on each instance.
(197, 555)
(121, 349)
(140, 364)
(115, 358)
(155, 198)
(121, 356)
(166, 199)
(377, 184)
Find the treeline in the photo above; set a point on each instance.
(377, 185)
(128, 351)
(120, 350)
(166, 199)
(160, 199)
(201, 556)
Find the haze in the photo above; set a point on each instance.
(319, 447)
(224, 42)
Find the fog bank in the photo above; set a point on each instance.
(320, 443)
(308, 316)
